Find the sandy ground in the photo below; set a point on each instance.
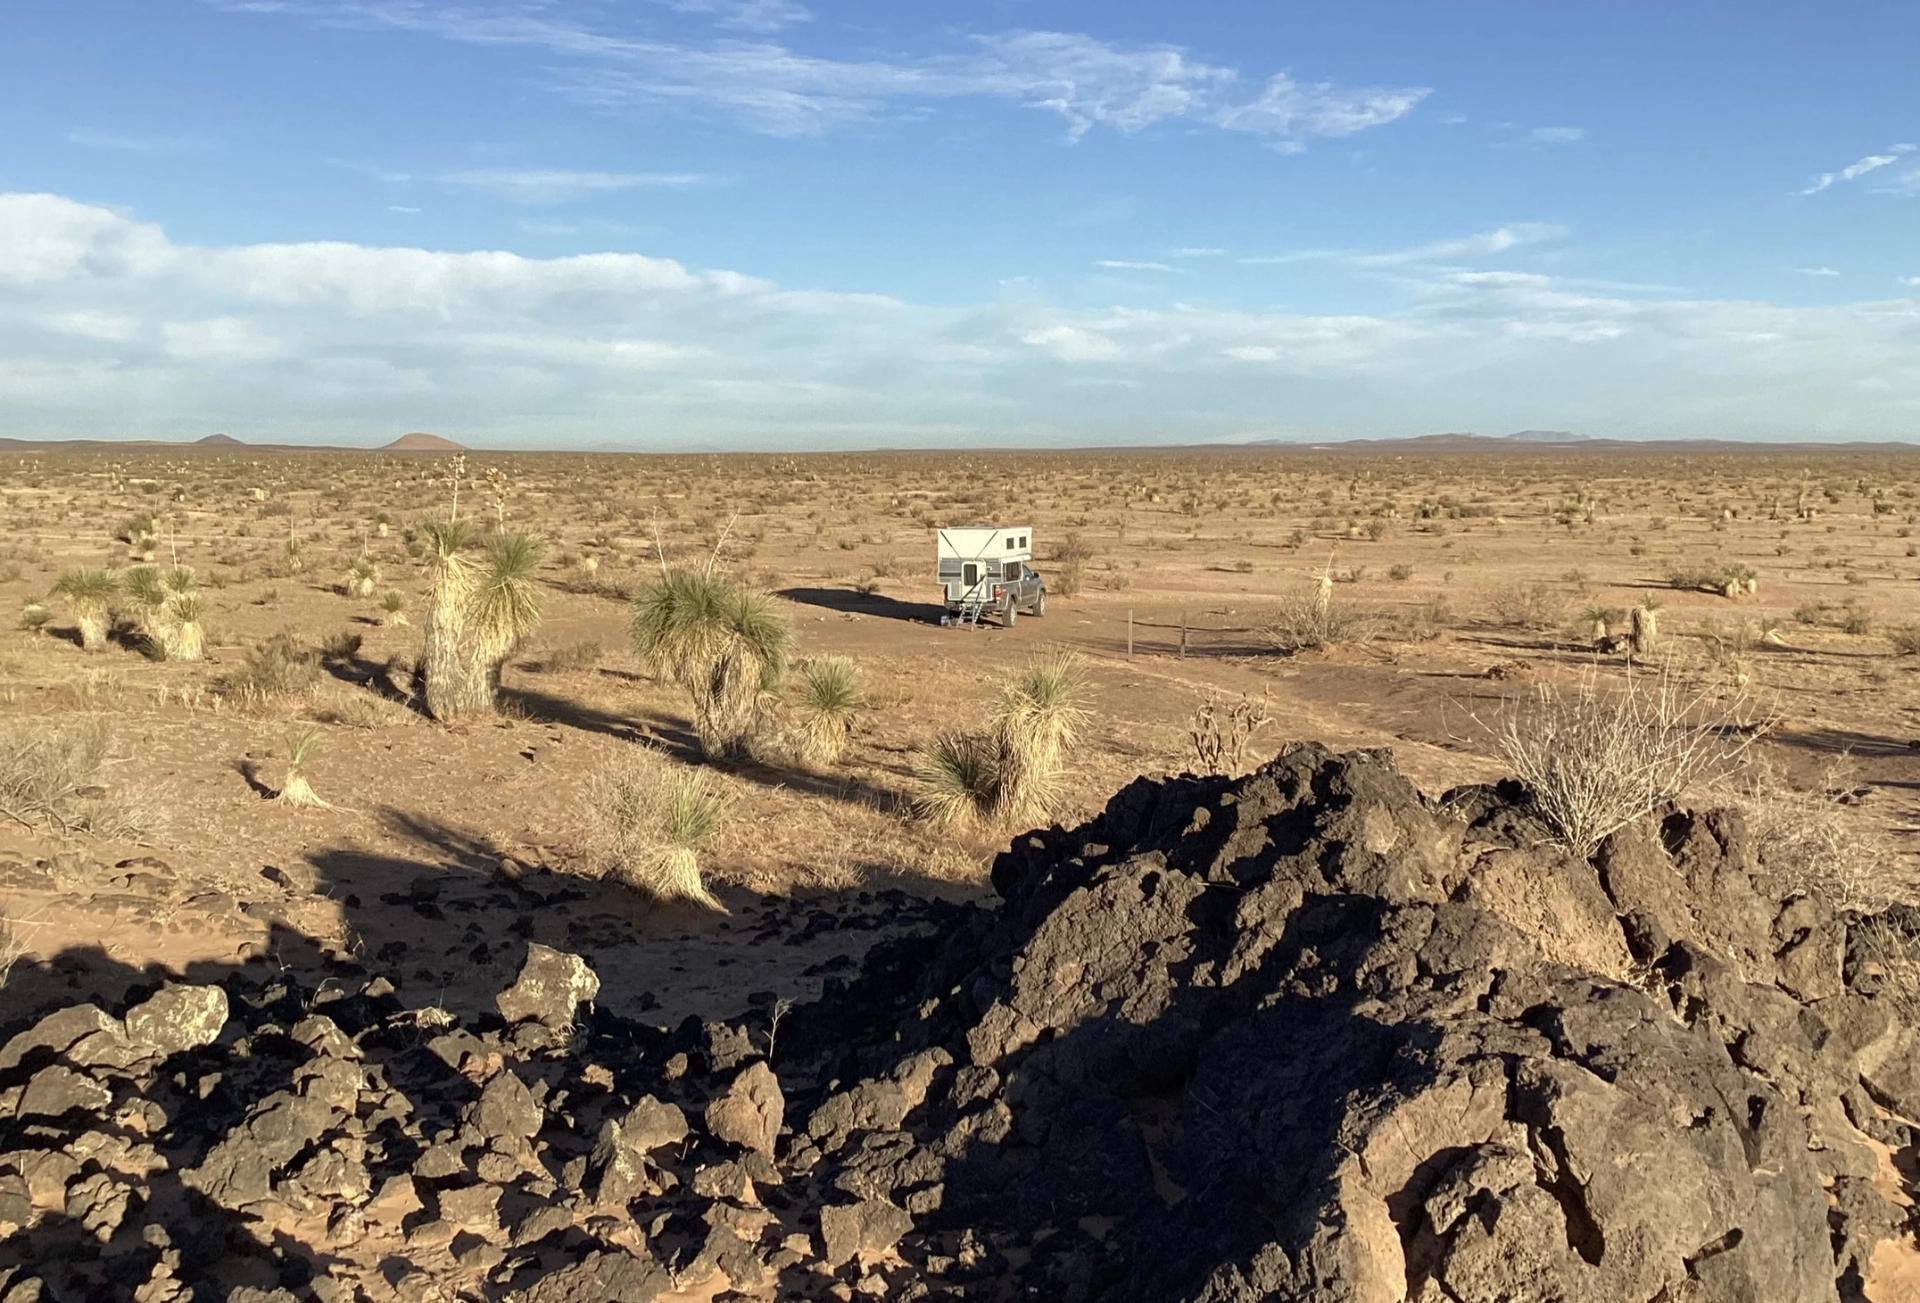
(1475, 576)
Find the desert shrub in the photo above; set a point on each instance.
(828, 691)
(1526, 606)
(649, 821)
(186, 638)
(725, 643)
(89, 595)
(277, 667)
(1594, 760)
(958, 778)
(1311, 622)
(33, 617)
(296, 788)
(52, 776)
(1856, 621)
(1219, 737)
(504, 609)
(582, 655)
(1013, 770)
(1400, 573)
(1905, 640)
(363, 576)
(1883, 956)
(393, 609)
(1812, 840)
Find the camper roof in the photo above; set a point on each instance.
(975, 542)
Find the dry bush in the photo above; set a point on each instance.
(1595, 759)
(568, 657)
(1815, 841)
(1526, 606)
(276, 668)
(648, 820)
(1316, 621)
(1219, 738)
(1905, 640)
(51, 777)
(1883, 956)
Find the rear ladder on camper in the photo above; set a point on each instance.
(977, 602)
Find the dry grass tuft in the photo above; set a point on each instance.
(650, 819)
(51, 777)
(1815, 841)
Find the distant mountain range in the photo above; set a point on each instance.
(414, 442)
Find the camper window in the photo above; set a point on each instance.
(1023, 542)
(970, 574)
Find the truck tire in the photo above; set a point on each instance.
(1010, 612)
(1040, 604)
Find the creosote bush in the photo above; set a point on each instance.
(277, 667)
(1594, 759)
(649, 820)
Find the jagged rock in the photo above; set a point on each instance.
(239, 1170)
(58, 1031)
(551, 985)
(178, 1018)
(750, 1113)
(57, 1090)
(507, 1110)
(650, 1124)
(474, 1207)
(600, 1278)
(870, 1226)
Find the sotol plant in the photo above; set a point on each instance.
(1012, 771)
(296, 789)
(725, 643)
(650, 821)
(363, 576)
(444, 665)
(829, 698)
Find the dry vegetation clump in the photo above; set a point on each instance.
(1219, 737)
(276, 668)
(582, 655)
(1888, 944)
(828, 699)
(1011, 772)
(1316, 621)
(296, 788)
(725, 643)
(1526, 606)
(649, 820)
(1594, 759)
(51, 776)
(393, 609)
(1815, 841)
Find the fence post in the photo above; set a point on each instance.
(1129, 633)
(1183, 635)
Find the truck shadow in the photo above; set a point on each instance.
(846, 600)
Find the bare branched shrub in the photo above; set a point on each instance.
(1219, 736)
(1594, 758)
(1526, 606)
(276, 668)
(51, 776)
(649, 820)
(1812, 840)
(1884, 956)
(1315, 621)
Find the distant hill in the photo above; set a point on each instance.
(418, 442)
(219, 441)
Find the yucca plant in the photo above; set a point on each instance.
(89, 595)
(179, 579)
(1037, 720)
(959, 778)
(444, 665)
(296, 553)
(295, 789)
(363, 576)
(727, 644)
(650, 821)
(185, 637)
(393, 608)
(144, 605)
(503, 608)
(829, 698)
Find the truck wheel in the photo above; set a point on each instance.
(1040, 603)
(1009, 613)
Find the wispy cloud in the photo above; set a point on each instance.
(1816, 271)
(134, 142)
(1854, 171)
(1556, 135)
(1123, 264)
(1498, 240)
(542, 186)
(746, 15)
(1189, 252)
(781, 91)
(401, 208)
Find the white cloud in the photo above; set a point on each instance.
(782, 92)
(133, 142)
(1498, 240)
(1123, 264)
(1816, 271)
(1556, 135)
(401, 208)
(1189, 252)
(540, 186)
(746, 15)
(1854, 171)
(1912, 282)
(109, 327)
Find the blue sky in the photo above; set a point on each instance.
(769, 223)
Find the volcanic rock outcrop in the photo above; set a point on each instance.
(1304, 1035)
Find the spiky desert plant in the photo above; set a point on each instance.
(650, 820)
(393, 608)
(1037, 720)
(179, 579)
(185, 637)
(829, 697)
(959, 778)
(144, 599)
(503, 607)
(445, 665)
(295, 789)
(296, 553)
(725, 643)
(363, 575)
(89, 595)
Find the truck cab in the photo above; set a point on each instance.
(987, 570)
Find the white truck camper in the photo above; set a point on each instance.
(986, 570)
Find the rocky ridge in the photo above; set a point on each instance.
(1303, 1035)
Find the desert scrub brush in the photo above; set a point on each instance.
(363, 576)
(651, 819)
